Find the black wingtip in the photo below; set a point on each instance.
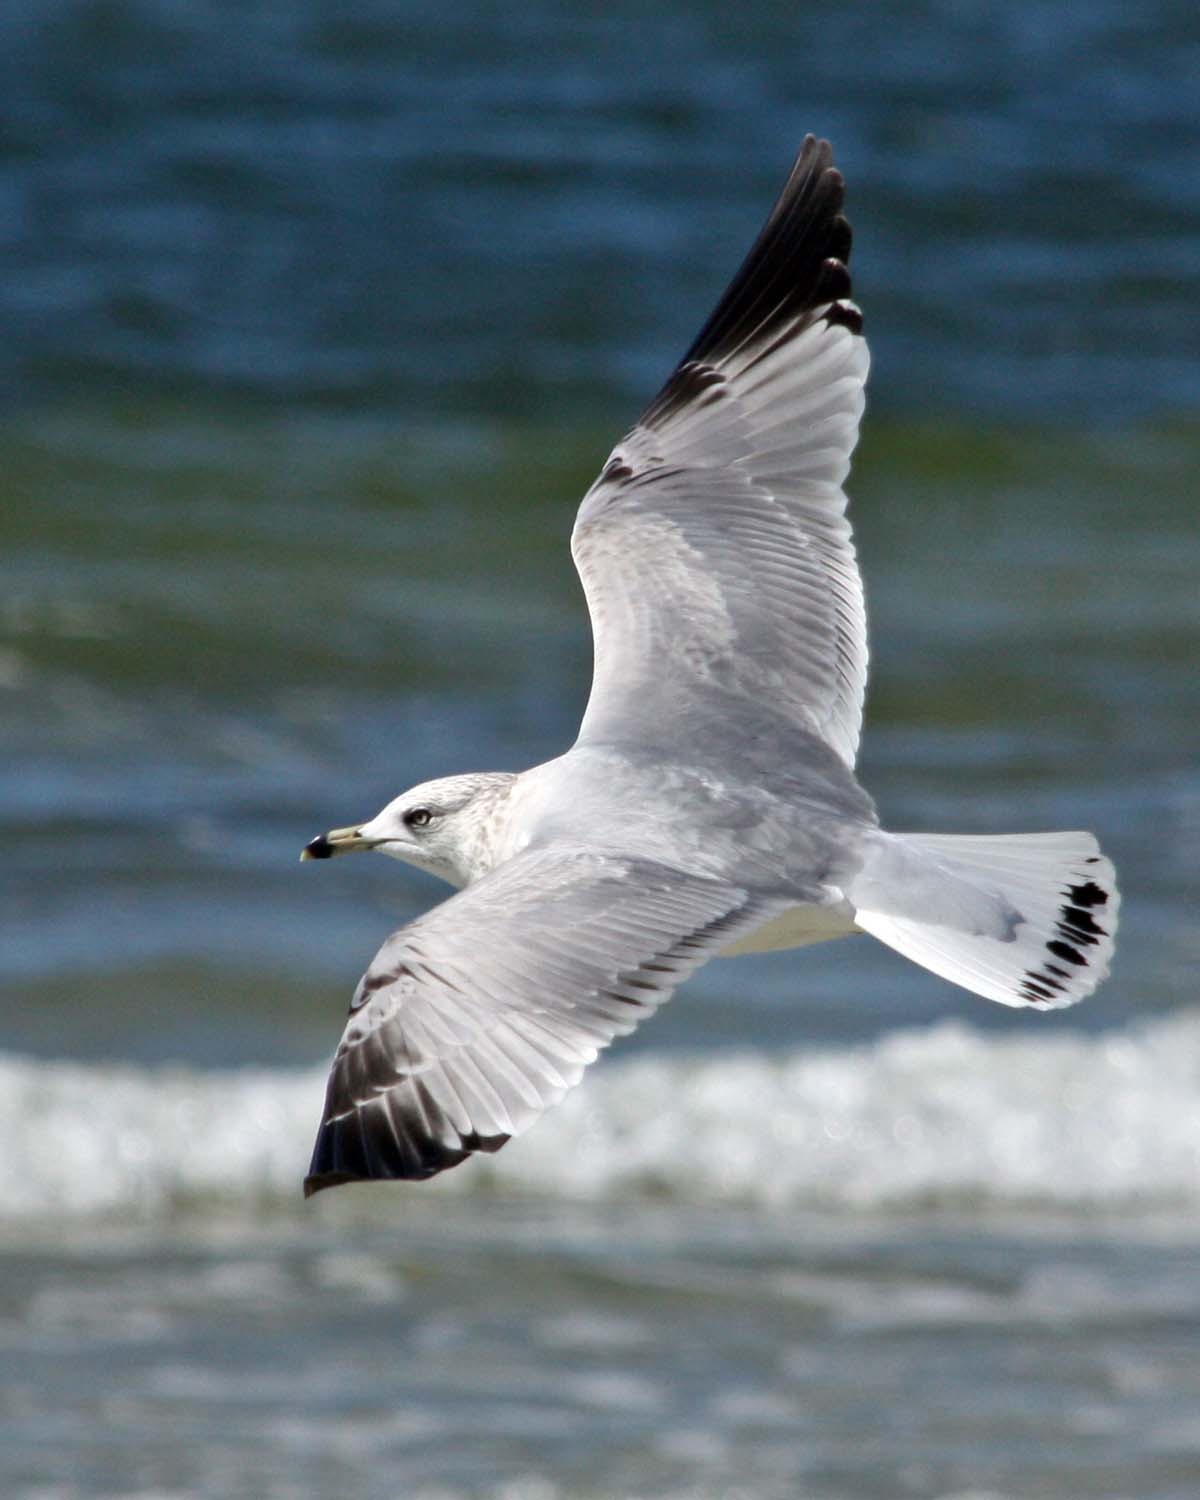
(372, 1142)
(318, 1184)
(845, 317)
(796, 265)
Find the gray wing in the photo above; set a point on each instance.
(714, 548)
(481, 1014)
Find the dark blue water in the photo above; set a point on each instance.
(518, 210)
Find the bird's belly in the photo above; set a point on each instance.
(795, 928)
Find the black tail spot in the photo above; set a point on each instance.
(1089, 894)
(1080, 925)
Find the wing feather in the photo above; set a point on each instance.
(714, 549)
(480, 1015)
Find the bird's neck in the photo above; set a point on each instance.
(484, 843)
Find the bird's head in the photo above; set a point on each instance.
(446, 827)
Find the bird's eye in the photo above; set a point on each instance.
(418, 817)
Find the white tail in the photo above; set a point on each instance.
(1026, 919)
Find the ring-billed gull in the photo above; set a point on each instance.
(709, 804)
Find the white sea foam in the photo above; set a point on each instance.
(919, 1118)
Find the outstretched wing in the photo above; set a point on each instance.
(714, 548)
(481, 1014)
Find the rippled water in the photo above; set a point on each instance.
(663, 1353)
(318, 321)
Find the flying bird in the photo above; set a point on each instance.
(709, 805)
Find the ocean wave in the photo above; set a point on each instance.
(939, 1117)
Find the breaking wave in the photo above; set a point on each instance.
(939, 1117)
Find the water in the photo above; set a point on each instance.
(316, 327)
(938, 1117)
(661, 1353)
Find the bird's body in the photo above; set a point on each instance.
(770, 832)
(709, 806)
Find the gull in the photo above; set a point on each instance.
(709, 805)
